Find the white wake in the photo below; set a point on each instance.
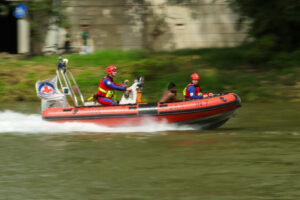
(15, 122)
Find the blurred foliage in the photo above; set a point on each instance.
(275, 24)
(4, 10)
(41, 15)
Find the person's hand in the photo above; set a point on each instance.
(128, 89)
(204, 96)
(126, 81)
(210, 94)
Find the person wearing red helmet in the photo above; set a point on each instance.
(107, 87)
(192, 90)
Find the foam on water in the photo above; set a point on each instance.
(14, 122)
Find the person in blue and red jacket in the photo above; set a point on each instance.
(107, 87)
(193, 91)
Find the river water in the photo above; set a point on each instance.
(255, 155)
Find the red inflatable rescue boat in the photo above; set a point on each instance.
(208, 113)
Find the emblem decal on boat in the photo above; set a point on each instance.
(46, 89)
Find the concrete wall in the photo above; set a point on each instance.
(154, 24)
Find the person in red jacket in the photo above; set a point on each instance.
(107, 87)
(193, 91)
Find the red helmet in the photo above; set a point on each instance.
(110, 69)
(195, 76)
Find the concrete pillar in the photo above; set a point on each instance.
(23, 36)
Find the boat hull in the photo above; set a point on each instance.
(207, 113)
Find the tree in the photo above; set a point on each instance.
(273, 22)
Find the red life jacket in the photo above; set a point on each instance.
(104, 90)
(186, 92)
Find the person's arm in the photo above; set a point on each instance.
(113, 86)
(173, 97)
(164, 98)
(123, 84)
(192, 92)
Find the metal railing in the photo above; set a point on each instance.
(67, 82)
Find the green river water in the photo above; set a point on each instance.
(255, 155)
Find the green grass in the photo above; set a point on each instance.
(99, 58)
(221, 70)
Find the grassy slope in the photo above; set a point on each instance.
(221, 70)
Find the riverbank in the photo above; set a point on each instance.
(221, 70)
